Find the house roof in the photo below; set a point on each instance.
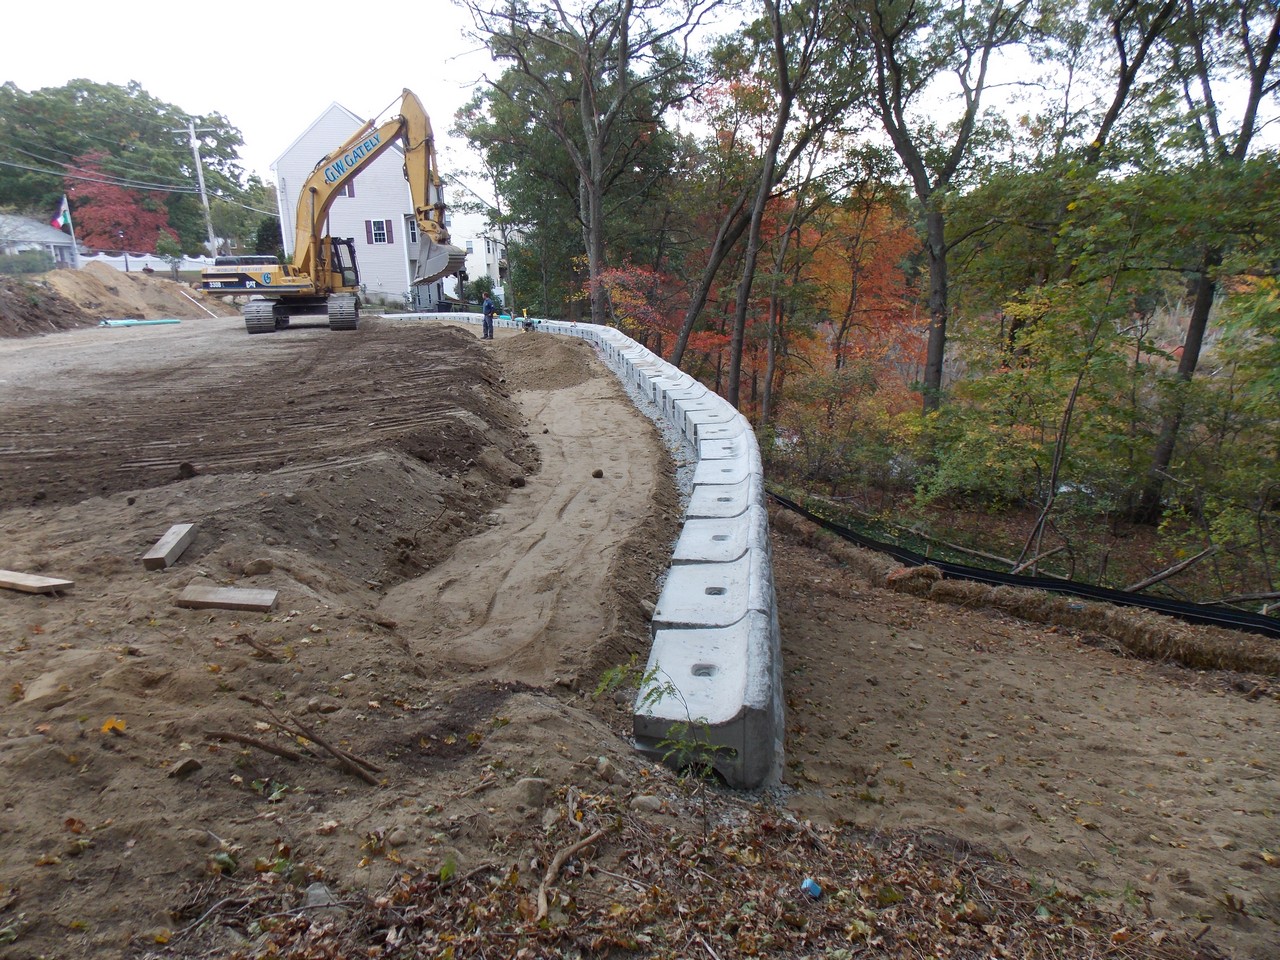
(25, 230)
(356, 121)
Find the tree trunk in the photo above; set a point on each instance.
(730, 232)
(1149, 507)
(935, 227)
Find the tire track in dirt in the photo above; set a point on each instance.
(268, 403)
(522, 601)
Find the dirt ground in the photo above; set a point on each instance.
(453, 579)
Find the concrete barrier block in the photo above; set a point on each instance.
(667, 397)
(722, 471)
(714, 594)
(722, 539)
(736, 427)
(718, 501)
(697, 420)
(716, 690)
(704, 404)
(727, 448)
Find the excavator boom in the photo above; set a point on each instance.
(323, 276)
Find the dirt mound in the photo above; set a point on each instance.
(105, 293)
(367, 470)
(29, 308)
(542, 361)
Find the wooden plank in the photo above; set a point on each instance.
(199, 597)
(169, 547)
(30, 583)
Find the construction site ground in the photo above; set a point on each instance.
(463, 538)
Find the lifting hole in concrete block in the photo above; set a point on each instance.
(703, 670)
(720, 537)
(715, 591)
(724, 499)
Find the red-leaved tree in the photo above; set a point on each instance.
(112, 217)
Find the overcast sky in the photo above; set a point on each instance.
(269, 68)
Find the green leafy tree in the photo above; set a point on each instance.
(142, 143)
(170, 251)
(914, 47)
(267, 238)
(599, 78)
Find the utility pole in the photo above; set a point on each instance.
(204, 197)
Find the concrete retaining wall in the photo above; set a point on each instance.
(715, 663)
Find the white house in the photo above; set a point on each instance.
(374, 208)
(486, 255)
(18, 234)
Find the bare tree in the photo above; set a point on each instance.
(913, 46)
(586, 73)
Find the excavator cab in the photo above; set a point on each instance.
(342, 263)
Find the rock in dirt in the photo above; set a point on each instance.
(256, 568)
(606, 770)
(320, 903)
(646, 803)
(185, 767)
(531, 792)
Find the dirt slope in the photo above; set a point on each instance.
(329, 468)
(1130, 783)
(441, 622)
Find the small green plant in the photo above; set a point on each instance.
(687, 746)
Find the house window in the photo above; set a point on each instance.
(378, 231)
(411, 230)
(471, 246)
(348, 189)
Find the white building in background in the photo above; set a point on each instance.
(19, 234)
(374, 208)
(486, 255)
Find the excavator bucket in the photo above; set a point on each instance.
(436, 260)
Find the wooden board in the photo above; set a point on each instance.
(30, 583)
(169, 547)
(199, 597)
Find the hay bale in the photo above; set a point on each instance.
(867, 564)
(962, 593)
(914, 580)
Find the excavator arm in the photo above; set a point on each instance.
(436, 256)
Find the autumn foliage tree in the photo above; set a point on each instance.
(112, 217)
(857, 269)
(642, 303)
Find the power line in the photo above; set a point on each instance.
(132, 185)
(116, 178)
(63, 175)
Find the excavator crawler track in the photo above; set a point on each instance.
(259, 316)
(344, 311)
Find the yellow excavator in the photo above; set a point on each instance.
(323, 278)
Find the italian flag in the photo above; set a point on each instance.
(63, 216)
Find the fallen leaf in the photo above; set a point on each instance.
(113, 725)
(74, 825)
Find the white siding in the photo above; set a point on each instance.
(381, 193)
